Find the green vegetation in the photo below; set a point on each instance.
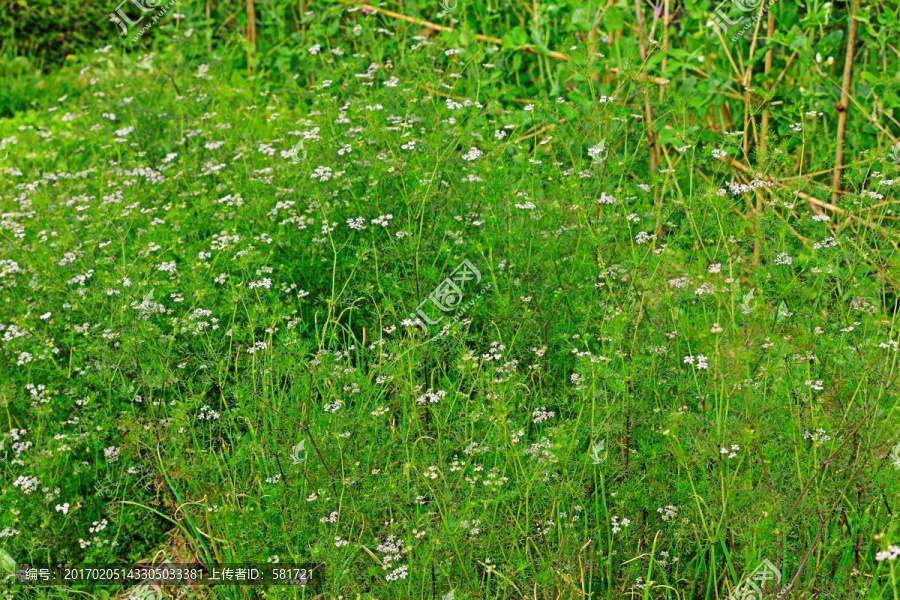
(669, 349)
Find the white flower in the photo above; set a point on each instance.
(263, 283)
(112, 454)
(542, 414)
(783, 259)
(890, 554)
(431, 397)
(472, 154)
(27, 484)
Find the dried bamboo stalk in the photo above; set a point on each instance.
(844, 105)
(499, 42)
(436, 27)
(764, 127)
(648, 115)
(251, 34)
(764, 132)
(665, 43)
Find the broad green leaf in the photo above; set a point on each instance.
(538, 41)
(515, 38)
(614, 19)
(7, 562)
(581, 19)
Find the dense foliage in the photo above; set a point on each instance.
(553, 317)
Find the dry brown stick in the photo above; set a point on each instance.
(435, 27)
(859, 106)
(225, 22)
(876, 107)
(748, 74)
(737, 71)
(535, 133)
(817, 205)
(764, 131)
(844, 106)
(594, 34)
(648, 115)
(674, 179)
(251, 33)
(786, 66)
(665, 43)
(452, 97)
(782, 594)
(790, 586)
(209, 41)
(642, 76)
(828, 460)
(822, 172)
(880, 204)
(279, 45)
(747, 83)
(499, 42)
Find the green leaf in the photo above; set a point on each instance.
(614, 19)
(7, 562)
(667, 136)
(798, 42)
(515, 38)
(782, 312)
(581, 19)
(678, 53)
(655, 59)
(538, 41)
(466, 36)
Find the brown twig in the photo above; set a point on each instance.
(784, 593)
(764, 134)
(494, 40)
(436, 27)
(844, 106)
(251, 33)
(648, 115)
